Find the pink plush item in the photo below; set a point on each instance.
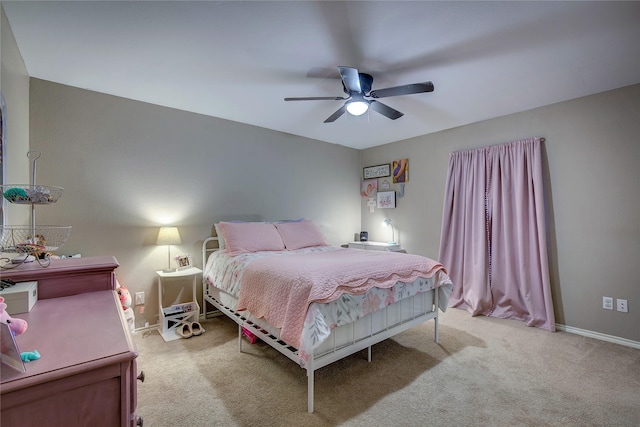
(17, 326)
(250, 237)
(303, 234)
(124, 295)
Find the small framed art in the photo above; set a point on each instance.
(376, 171)
(386, 199)
(368, 187)
(183, 261)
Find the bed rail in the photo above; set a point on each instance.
(337, 352)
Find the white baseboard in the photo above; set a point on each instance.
(147, 328)
(598, 336)
(560, 327)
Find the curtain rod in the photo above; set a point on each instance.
(542, 139)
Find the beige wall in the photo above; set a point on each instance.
(593, 169)
(127, 167)
(14, 84)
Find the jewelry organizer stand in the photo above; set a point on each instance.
(31, 240)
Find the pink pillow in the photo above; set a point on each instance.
(303, 234)
(250, 237)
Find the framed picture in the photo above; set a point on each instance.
(386, 199)
(183, 261)
(376, 171)
(400, 171)
(368, 187)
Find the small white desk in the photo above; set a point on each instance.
(173, 316)
(377, 246)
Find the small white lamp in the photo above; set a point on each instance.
(168, 236)
(387, 223)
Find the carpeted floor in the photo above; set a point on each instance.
(484, 372)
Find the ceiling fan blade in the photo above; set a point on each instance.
(317, 98)
(402, 90)
(385, 110)
(334, 116)
(350, 78)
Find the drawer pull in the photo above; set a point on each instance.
(141, 376)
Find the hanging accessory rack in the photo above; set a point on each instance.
(30, 241)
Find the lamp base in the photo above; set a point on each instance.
(169, 270)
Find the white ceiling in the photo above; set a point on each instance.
(237, 60)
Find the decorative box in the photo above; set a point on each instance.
(21, 297)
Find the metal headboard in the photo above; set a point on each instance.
(207, 249)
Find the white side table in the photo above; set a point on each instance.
(174, 315)
(377, 246)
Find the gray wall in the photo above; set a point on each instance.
(593, 170)
(128, 167)
(14, 84)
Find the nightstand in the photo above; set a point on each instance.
(179, 311)
(377, 246)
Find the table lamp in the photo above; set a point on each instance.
(168, 236)
(387, 223)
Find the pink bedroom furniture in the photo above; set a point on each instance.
(87, 371)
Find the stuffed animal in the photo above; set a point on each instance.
(125, 302)
(124, 295)
(17, 326)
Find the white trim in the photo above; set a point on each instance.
(598, 336)
(146, 328)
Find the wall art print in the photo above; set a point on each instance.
(368, 187)
(400, 171)
(386, 199)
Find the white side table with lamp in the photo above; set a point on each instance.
(178, 312)
(182, 309)
(391, 246)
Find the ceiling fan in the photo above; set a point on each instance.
(358, 86)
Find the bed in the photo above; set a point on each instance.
(313, 302)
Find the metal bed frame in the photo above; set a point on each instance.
(377, 327)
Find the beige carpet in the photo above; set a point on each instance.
(484, 372)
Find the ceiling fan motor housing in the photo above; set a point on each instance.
(366, 82)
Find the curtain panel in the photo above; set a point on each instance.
(493, 238)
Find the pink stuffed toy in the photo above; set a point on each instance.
(17, 326)
(123, 295)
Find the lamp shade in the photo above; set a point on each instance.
(168, 236)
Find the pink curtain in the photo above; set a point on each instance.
(493, 239)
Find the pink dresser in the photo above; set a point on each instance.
(68, 276)
(87, 373)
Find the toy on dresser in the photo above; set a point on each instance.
(125, 301)
(17, 326)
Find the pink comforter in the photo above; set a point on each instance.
(280, 289)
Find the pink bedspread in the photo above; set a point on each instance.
(280, 289)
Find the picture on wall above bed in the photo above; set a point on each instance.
(378, 171)
(368, 187)
(386, 199)
(400, 171)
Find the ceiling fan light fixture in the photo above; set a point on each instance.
(357, 108)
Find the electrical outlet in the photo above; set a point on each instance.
(622, 305)
(607, 303)
(140, 298)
